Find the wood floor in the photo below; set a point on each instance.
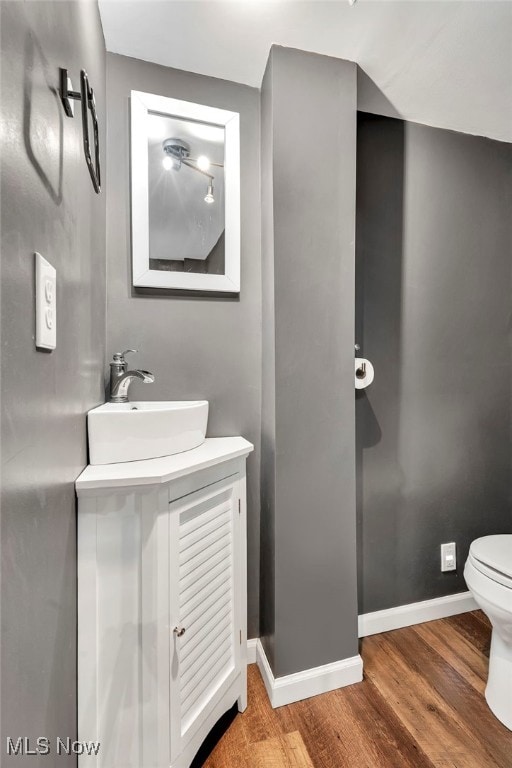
(421, 705)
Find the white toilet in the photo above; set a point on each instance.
(488, 574)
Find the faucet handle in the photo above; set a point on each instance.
(119, 356)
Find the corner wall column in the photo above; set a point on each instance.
(308, 591)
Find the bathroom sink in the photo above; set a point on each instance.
(145, 430)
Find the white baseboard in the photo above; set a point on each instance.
(251, 650)
(415, 613)
(310, 682)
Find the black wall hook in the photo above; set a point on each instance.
(86, 98)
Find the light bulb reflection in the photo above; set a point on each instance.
(209, 198)
(203, 163)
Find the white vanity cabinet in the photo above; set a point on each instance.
(161, 603)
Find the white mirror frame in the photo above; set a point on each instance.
(143, 276)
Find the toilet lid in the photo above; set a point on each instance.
(495, 552)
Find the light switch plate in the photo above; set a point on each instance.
(46, 304)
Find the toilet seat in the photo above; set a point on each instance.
(492, 557)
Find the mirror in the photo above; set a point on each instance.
(185, 195)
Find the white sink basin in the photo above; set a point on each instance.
(134, 431)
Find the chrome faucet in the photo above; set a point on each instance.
(120, 378)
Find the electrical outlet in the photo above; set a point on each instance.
(448, 557)
(46, 304)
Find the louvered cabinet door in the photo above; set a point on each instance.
(205, 604)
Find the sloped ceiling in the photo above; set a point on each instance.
(447, 64)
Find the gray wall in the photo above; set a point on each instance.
(308, 488)
(48, 205)
(434, 247)
(198, 347)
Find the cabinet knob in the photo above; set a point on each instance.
(179, 631)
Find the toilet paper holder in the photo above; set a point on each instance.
(361, 371)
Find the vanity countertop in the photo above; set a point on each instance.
(165, 469)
